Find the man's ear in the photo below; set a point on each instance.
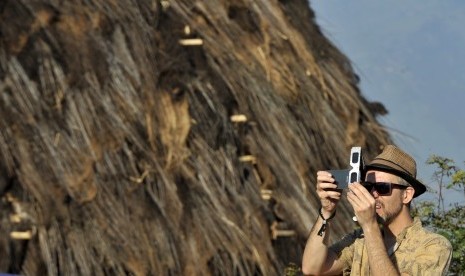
(408, 195)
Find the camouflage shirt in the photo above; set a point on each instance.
(417, 252)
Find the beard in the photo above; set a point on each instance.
(388, 215)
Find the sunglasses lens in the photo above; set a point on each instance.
(383, 188)
(368, 186)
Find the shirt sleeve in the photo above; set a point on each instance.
(433, 258)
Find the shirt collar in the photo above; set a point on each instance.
(407, 230)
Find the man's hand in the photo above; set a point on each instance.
(327, 192)
(363, 203)
(317, 258)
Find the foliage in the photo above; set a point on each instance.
(451, 222)
(451, 225)
(458, 180)
(445, 168)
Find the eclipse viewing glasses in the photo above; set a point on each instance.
(354, 173)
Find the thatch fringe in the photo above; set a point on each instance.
(168, 137)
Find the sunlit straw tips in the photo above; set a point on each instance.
(21, 235)
(191, 42)
(278, 231)
(187, 30)
(165, 4)
(238, 118)
(266, 194)
(15, 218)
(248, 158)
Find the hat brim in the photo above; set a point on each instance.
(419, 187)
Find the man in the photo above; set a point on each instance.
(401, 246)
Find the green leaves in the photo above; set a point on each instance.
(451, 225)
(448, 222)
(458, 179)
(445, 165)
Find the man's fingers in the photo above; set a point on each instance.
(324, 180)
(361, 192)
(327, 186)
(323, 173)
(333, 194)
(353, 199)
(360, 199)
(324, 176)
(327, 190)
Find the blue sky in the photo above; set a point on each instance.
(410, 56)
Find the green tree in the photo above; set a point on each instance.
(458, 181)
(447, 222)
(452, 226)
(445, 168)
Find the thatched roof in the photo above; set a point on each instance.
(168, 137)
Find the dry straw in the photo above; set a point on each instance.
(133, 151)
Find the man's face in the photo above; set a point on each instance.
(390, 205)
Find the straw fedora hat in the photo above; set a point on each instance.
(394, 160)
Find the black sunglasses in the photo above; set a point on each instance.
(382, 188)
